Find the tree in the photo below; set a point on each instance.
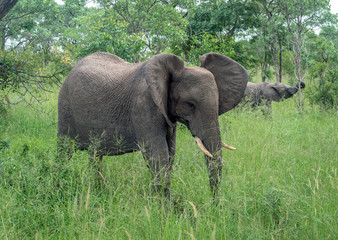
(323, 60)
(5, 6)
(273, 35)
(214, 25)
(108, 35)
(300, 17)
(27, 60)
(157, 22)
(230, 17)
(209, 43)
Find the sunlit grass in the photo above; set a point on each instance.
(281, 182)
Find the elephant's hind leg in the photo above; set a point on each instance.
(66, 137)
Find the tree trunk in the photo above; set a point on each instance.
(280, 58)
(3, 38)
(275, 63)
(297, 46)
(5, 6)
(264, 66)
(300, 79)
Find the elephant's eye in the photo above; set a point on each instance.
(185, 109)
(190, 105)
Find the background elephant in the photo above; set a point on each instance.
(265, 92)
(136, 107)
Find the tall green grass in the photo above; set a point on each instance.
(280, 183)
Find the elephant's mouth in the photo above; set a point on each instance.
(204, 149)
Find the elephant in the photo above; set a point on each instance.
(265, 92)
(136, 106)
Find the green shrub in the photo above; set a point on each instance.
(326, 94)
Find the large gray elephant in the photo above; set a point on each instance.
(265, 92)
(137, 106)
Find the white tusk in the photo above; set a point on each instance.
(227, 146)
(201, 146)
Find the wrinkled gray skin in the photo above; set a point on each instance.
(137, 106)
(265, 92)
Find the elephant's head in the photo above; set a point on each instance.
(196, 96)
(279, 91)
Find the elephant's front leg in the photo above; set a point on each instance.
(171, 141)
(157, 141)
(267, 108)
(156, 154)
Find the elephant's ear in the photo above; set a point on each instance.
(273, 92)
(230, 76)
(159, 71)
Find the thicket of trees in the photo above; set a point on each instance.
(41, 39)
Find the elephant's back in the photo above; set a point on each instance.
(101, 68)
(99, 75)
(104, 56)
(99, 80)
(252, 88)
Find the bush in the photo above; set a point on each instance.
(323, 69)
(326, 93)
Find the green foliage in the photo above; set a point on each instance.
(7, 73)
(223, 17)
(326, 94)
(18, 69)
(302, 16)
(214, 26)
(29, 59)
(208, 43)
(157, 23)
(42, 39)
(323, 69)
(27, 74)
(25, 25)
(245, 54)
(110, 35)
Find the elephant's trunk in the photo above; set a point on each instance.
(299, 85)
(211, 145)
